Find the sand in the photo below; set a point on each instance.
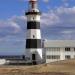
(66, 67)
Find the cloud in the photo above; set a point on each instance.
(8, 28)
(12, 35)
(20, 20)
(54, 24)
(59, 23)
(59, 15)
(65, 3)
(49, 19)
(14, 27)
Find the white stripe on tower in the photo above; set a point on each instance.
(31, 18)
(33, 34)
(33, 41)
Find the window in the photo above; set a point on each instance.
(67, 57)
(53, 56)
(74, 49)
(23, 57)
(33, 36)
(74, 56)
(53, 49)
(67, 49)
(33, 18)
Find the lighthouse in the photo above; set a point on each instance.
(33, 39)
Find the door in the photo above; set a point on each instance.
(33, 59)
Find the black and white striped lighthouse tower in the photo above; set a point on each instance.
(33, 40)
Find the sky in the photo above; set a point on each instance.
(57, 23)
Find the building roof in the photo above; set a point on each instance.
(59, 43)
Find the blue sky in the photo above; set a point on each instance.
(57, 23)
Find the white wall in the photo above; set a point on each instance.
(61, 52)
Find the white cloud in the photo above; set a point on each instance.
(59, 22)
(56, 24)
(68, 31)
(7, 25)
(49, 19)
(53, 23)
(13, 26)
(59, 16)
(65, 10)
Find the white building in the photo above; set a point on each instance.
(55, 50)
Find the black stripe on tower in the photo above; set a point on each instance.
(33, 25)
(33, 43)
(33, 13)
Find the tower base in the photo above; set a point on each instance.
(34, 56)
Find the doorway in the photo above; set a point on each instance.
(33, 59)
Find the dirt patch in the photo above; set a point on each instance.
(57, 68)
(48, 73)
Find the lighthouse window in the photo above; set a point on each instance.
(33, 36)
(33, 18)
